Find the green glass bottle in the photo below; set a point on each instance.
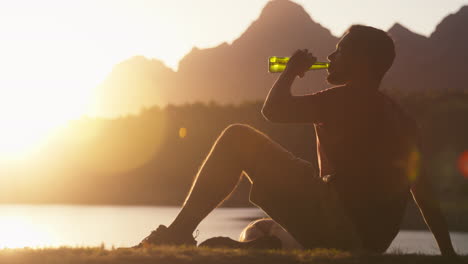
(278, 64)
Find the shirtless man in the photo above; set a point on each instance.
(369, 160)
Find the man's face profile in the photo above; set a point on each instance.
(340, 59)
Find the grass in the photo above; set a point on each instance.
(179, 255)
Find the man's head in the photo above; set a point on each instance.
(363, 54)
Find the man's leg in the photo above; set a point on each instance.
(238, 149)
(287, 188)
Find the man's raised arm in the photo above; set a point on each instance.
(279, 98)
(281, 106)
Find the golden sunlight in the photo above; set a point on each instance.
(17, 232)
(182, 132)
(413, 165)
(42, 95)
(28, 116)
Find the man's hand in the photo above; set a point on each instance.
(300, 62)
(450, 253)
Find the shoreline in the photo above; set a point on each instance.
(176, 255)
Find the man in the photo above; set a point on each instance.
(368, 160)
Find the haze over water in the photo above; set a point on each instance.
(124, 226)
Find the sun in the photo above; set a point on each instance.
(17, 141)
(22, 135)
(30, 114)
(42, 96)
(16, 231)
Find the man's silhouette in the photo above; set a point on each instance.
(368, 160)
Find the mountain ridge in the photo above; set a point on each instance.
(236, 72)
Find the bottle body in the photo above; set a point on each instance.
(278, 64)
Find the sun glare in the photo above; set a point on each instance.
(17, 232)
(29, 113)
(43, 94)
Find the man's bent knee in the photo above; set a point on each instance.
(239, 130)
(248, 144)
(242, 136)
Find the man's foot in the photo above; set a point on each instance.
(265, 242)
(164, 236)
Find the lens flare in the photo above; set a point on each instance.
(463, 164)
(182, 132)
(413, 165)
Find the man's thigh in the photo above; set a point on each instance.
(291, 192)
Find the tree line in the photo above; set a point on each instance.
(152, 157)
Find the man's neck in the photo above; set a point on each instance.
(364, 84)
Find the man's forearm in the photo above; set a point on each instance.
(424, 197)
(436, 222)
(280, 106)
(280, 94)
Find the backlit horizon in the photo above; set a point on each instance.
(54, 53)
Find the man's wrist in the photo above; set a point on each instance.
(289, 72)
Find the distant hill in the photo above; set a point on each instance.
(238, 72)
(133, 84)
(232, 73)
(435, 64)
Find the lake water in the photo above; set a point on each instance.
(123, 226)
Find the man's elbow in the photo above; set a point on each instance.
(268, 113)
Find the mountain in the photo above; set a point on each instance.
(411, 55)
(237, 72)
(133, 84)
(452, 31)
(232, 73)
(449, 58)
(436, 64)
(228, 73)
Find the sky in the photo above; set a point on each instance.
(55, 52)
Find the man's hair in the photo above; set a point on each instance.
(376, 45)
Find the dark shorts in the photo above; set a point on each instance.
(291, 192)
